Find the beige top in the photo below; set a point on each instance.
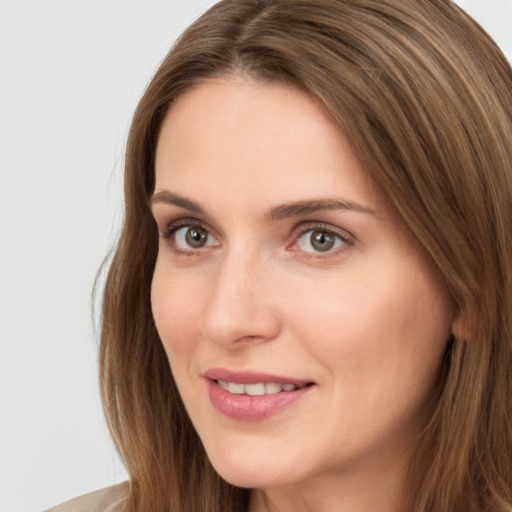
(109, 499)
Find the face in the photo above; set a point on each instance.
(304, 326)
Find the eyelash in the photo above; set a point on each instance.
(346, 238)
(173, 227)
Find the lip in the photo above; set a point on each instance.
(252, 408)
(250, 377)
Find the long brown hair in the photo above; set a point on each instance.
(425, 96)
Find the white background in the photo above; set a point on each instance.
(71, 73)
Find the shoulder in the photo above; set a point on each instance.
(110, 499)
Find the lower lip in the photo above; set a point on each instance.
(252, 408)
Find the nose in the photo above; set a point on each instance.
(242, 305)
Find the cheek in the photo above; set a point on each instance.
(176, 308)
(387, 327)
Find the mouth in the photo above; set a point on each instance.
(251, 396)
(259, 388)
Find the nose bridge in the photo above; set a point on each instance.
(240, 304)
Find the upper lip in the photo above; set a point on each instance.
(251, 377)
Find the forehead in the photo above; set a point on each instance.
(239, 138)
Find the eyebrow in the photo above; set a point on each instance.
(307, 207)
(167, 197)
(280, 212)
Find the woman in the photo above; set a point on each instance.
(309, 305)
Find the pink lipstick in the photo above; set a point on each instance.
(253, 396)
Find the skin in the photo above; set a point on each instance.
(367, 321)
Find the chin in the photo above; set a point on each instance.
(242, 470)
(250, 480)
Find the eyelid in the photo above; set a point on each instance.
(173, 225)
(183, 222)
(347, 238)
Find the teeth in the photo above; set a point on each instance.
(271, 388)
(223, 384)
(258, 389)
(235, 388)
(255, 389)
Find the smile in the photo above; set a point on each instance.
(257, 389)
(253, 396)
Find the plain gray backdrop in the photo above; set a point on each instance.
(71, 73)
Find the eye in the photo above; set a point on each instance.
(192, 237)
(188, 236)
(319, 240)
